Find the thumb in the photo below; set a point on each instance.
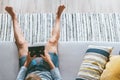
(28, 54)
(34, 56)
(42, 56)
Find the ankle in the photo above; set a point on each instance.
(58, 17)
(14, 18)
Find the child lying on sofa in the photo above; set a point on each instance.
(37, 68)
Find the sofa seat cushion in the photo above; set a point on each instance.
(70, 57)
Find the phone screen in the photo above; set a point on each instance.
(36, 50)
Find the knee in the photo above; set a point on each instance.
(52, 40)
(22, 44)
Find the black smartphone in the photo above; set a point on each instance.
(36, 50)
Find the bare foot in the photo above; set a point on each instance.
(60, 10)
(10, 11)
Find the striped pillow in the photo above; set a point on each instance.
(94, 62)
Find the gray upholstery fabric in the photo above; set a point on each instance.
(70, 58)
(8, 61)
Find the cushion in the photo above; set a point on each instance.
(9, 63)
(94, 62)
(112, 70)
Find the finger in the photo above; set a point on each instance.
(42, 56)
(29, 54)
(34, 56)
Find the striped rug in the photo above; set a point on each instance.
(74, 27)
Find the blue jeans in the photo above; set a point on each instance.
(39, 63)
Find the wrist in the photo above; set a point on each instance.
(26, 64)
(52, 66)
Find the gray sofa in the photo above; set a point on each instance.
(70, 58)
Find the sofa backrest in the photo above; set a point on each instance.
(70, 58)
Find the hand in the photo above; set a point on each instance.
(28, 59)
(47, 58)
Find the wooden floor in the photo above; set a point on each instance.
(72, 5)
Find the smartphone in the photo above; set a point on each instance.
(36, 50)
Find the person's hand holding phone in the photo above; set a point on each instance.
(28, 59)
(47, 58)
